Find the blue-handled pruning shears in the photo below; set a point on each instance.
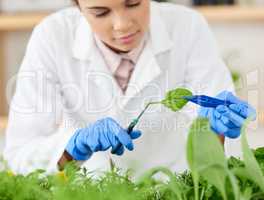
(207, 101)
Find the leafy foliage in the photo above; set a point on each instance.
(78, 184)
(211, 177)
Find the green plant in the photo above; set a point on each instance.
(173, 100)
(212, 176)
(202, 162)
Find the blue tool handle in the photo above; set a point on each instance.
(129, 130)
(207, 101)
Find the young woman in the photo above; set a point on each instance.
(90, 69)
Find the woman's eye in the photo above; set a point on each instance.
(133, 5)
(101, 14)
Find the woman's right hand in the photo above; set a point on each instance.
(100, 136)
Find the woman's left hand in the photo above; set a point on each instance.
(228, 120)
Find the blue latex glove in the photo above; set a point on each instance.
(228, 120)
(100, 136)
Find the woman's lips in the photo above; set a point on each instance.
(127, 39)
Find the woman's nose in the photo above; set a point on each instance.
(122, 23)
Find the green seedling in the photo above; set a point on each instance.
(173, 100)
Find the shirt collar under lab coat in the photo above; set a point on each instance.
(84, 42)
(113, 59)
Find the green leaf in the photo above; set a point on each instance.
(173, 185)
(251, 165)
(192, 164)
(206, 157)
(234, 183)
(174, 99)
(259, 154)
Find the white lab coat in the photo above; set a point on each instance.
(64, 84)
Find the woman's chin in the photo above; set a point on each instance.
(127, 47)
(122, 48)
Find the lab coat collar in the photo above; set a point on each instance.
(159, 36)
(84, 42)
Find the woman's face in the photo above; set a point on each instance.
(120, 24)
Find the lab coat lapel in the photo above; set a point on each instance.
(96, 70)
(148, 68)
(99, 73)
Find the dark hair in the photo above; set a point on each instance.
(76, 2)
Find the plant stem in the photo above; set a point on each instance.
(154, 102)
(202, 194)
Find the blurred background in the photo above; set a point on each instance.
(238, 26)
